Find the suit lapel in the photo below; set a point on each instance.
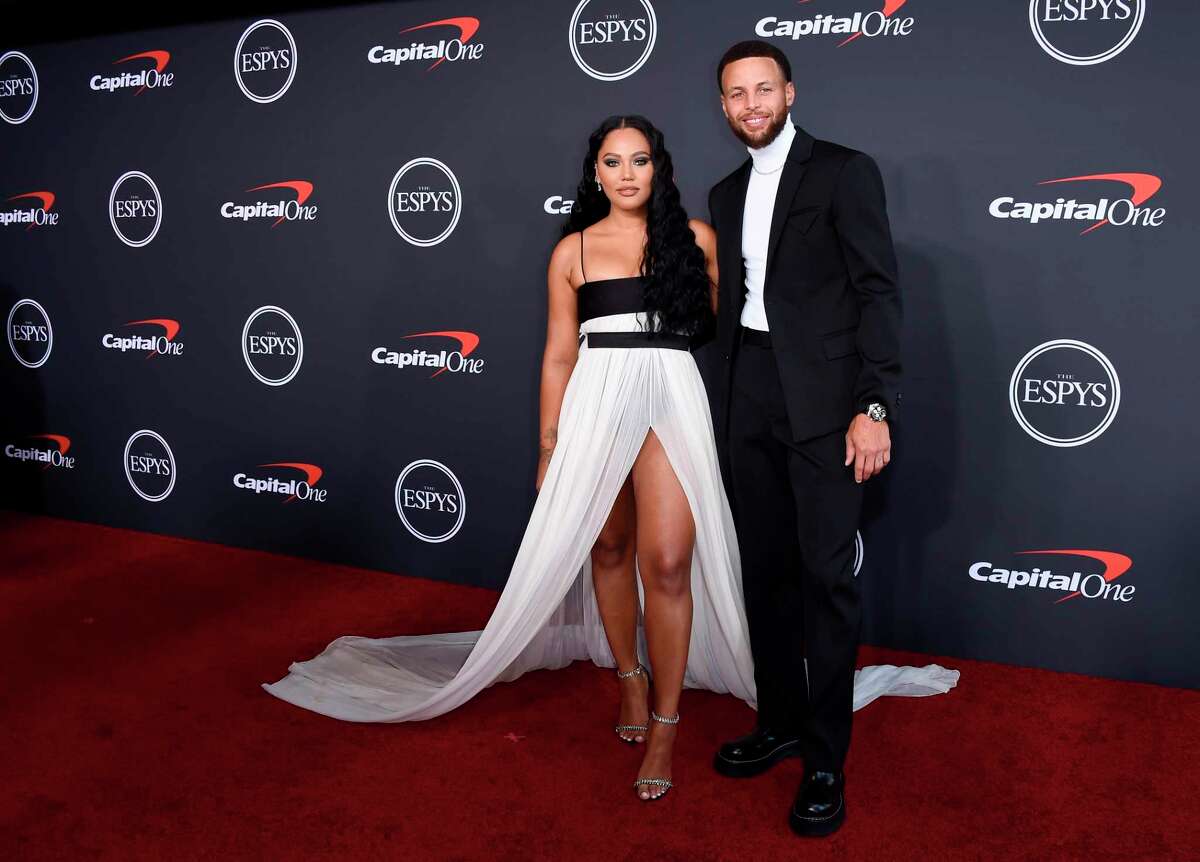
(789, 182)
(730, 234)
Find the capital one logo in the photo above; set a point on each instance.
(1085, 32)
(858, 552)
(430, 501)
(54, 455)
(18, 87)
(455, 360)
(1094, 580)
(30, 215)
(291, 486)
(1124, 211)
(424, 201)
(1064, 393)
(272, 345)
(557, 205)
(149, 465)
(30, 336)
(458, 47)
(152, 77)
(264, 62)
(612, 39)
(151, 337)
(281, 209)
(135, 209)
(876, 22)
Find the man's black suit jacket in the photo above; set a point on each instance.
(831, 296)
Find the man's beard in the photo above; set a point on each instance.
(764, 138)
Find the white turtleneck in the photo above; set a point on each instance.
(756, 220)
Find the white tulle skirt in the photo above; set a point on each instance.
(547, 615)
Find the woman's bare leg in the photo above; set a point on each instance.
(616, 595)
(665, 536)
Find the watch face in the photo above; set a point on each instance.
(876, 412)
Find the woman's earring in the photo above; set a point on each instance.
(598, 186)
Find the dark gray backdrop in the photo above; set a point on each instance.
(962, 108)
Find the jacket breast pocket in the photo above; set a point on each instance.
(840, 345)
(803, 218)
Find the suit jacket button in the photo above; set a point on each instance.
(726, 357)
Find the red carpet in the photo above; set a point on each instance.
(134, 728)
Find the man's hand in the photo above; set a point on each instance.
(868, 447)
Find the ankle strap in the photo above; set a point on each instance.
(659, 718)
(626, 674)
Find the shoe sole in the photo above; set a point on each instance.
(751, 768)
(807, 828)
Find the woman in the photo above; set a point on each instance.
(628, 485)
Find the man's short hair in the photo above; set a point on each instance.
(753, 48)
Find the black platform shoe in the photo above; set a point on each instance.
(820, 806)
(756, 753)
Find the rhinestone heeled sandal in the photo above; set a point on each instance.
(664, 783)
(631, 728)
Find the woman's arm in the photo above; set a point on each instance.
(706, 238)
(562, 346)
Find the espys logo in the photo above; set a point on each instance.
(264, 62)
(47, 456)
(1093, 585)
(33, 216)
(424, 202)
(1064, 393)
(149, 340)
(557, 205)
(135, 209)
(1121, 212)
(879, 22)
(272, 345)
(18, 87)
(283, 209)
(30, 336)
(149, 465)
(455, 361)
(1085, 32)
(612, 39)
(452, 50)
(430, 501)
(153, 77)
(292, 488)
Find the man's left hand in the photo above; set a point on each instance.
(868, 447)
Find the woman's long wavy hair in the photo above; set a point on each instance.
(676, 295)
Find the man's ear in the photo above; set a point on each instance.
(790, 91)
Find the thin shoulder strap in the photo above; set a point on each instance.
(582, 271)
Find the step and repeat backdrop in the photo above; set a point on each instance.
(280, 283)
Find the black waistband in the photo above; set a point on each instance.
(667, 340)
(755, 337)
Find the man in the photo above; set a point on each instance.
(808, 327)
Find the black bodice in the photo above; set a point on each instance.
(610, 296)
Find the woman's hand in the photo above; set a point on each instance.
(543, 464)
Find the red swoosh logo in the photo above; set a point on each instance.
(47, 199)
(63, 443)
(889, 8)
(171, 326)
(1115, 564)
(467, 28)
(160, 58)
(468, 340)
(302, 188)
(1142, 187)
(312, 472)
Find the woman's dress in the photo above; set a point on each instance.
(626, 383)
